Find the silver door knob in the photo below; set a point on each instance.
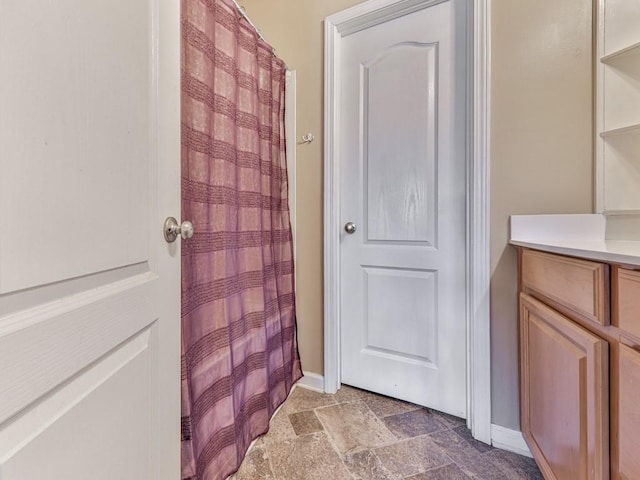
(350, 228)
(172, 229)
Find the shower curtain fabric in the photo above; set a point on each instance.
(239, 350)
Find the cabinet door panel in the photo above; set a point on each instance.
(564, 389)
(629, 413)
(628, 297)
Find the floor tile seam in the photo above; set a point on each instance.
(329, 440)
(444, 466)
(352, 474)
(489, 450)
(333, 445)
(327, 430)
(382, 422)
(373, 452)
(472, 475)
(406, 440)
(399, 440)
(444, 429)
(453, 459)
(418, 407)
(322, 407)
(311, 409)
(344, 402)
(499, 467)
(448, 461)
(266, 453)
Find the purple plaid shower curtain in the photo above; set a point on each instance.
(240, 356)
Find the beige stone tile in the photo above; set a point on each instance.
(255, 466)
(412, 456)
(365, 465)
(450, 420)
(280, 428)
(448, 472)
(472, 462)
(347, 394)
(414, 423)
(353, 427)
(465, 433)
(305, 422)
(386, 406)
(515, 467)
(307, 457)
(304, 399)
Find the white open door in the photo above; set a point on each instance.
(403, 146)
(89, 289)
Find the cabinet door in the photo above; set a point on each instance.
(629, 413)
(564, 394)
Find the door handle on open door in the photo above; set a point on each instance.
(172, 229)
(350, 228)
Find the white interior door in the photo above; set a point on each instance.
(403, 184)
(89, 290)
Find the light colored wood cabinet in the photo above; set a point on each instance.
(564, 394)
(628, 310)
(575, 287)
(629, 413)
(580, 373)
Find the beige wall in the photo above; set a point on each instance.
(295, 29)
(540, 160)
(541, 149)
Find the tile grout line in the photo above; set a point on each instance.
(331, 442)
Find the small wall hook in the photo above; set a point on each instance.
(308, 138)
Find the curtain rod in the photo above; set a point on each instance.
(244, 15)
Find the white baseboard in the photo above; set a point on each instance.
(312, 381)
(509, 440)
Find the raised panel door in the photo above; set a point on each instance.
(89, 289)
(403, 182)
(564, 394)
(629, 413)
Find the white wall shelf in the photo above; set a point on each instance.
(622, 53)
(631, 129)
(618, 108)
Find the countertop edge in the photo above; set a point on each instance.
(590, 254)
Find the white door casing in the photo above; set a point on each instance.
(89, 289)
(338, 28)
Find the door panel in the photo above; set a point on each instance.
(59, 338)
(564, 407)
(403, 182)
(629, 412)
(399, 144)
(414, 301)
(74, 427)
(89, 289)
(77, 88)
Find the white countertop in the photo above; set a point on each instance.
(582, 236)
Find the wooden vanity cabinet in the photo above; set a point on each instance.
(626, 404)
(580, 366)
(564, 364)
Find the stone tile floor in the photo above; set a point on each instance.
(358, 435)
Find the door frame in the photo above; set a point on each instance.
(336, 27)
